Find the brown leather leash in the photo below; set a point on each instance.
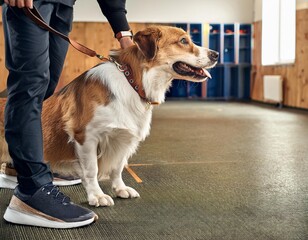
(36, 17)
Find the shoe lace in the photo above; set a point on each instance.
(54, 191)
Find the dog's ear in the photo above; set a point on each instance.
(147, 41)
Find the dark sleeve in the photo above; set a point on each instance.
(115, 12)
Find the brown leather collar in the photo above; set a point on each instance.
(128, 73)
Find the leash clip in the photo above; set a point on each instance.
(101, 57)
(119, 66)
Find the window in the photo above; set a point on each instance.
(278, 31)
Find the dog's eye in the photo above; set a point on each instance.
(184, 41)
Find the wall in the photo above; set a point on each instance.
(295, 76)
(302, 4)
(220, 11)
(257, 10)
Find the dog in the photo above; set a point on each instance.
(93, 125)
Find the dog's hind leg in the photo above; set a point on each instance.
(87, 154)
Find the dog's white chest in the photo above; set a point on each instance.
(109, 120)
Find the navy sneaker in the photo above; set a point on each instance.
(47, 207)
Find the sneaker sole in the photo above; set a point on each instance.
(61, 182)
(7, 183)
(10, 182)
(32, 217)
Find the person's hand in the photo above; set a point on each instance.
(126, 42)
(20, 3)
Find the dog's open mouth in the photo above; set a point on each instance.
(185, 69)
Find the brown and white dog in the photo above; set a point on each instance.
(94, 124)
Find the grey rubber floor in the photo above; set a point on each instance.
(209, 170)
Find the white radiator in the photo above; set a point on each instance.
(273, 88)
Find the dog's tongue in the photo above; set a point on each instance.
(206, 72)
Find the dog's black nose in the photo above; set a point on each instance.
(213, 55)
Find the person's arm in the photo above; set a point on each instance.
(115, 12)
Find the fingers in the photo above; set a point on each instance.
(12, 3)
(20, 3)
(28, 3)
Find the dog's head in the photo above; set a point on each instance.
(172, 49)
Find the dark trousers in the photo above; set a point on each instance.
(34, 58)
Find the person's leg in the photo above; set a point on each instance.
(36, 201)
(27, 59)
(61, 20)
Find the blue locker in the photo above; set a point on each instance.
(215, 85)
(229, 43)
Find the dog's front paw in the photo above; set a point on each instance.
(100, 200)
(127, 192)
